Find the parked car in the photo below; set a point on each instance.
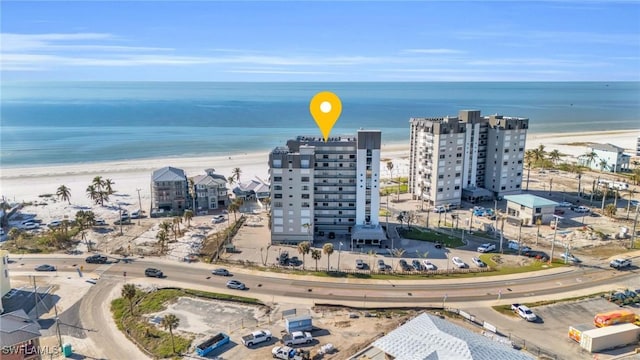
(439, 209)
(54, 223)
(485, 248)
(221, 272)
(438, 245)
(620, 263)
(96, 259)
(458, 262)
(478, 262)
(218, 219)
(45, 267)
(235, 284)
(153, 272)
(359, 264)
(30, 226)
(540, 255)
(428, 265)
(565, 204)
(100, 222)
(404, 265)
(381, 265)
(256, 337)
(416, 265)
(136, 214)
(524, 312)
(558, 212)
(581, 209)
(569, 258)
(297, 338)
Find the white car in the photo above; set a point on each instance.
(484, 248)
(30, 226)
(620, 263)
(439, 209)
(569, 258)
(565, 204)
(581, 209)
(428, 265)
(478, 262)
(217, 219)
(54, 223)
(458, 262)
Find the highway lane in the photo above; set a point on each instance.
(342, 290)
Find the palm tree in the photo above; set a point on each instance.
(316, 255)
(192, 192)
(15, 234)
(81, 219)
(162, 237)
(528, 159)
(589, 157)
(610, 210)
(166, 226)
(233, 208)
(92, 193)
(171, 322)
(98, 182)
(603, 164)
(188, 215)
(235, 173)
(176, 226)
(304, 248)
(231, 180)
(108, 186)
(266, 201)
(327, 249)
(631, 193)
(555, 156)
(64, 193)
(129, 292)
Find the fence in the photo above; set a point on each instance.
(493, 332)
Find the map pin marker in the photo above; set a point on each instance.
(325, 107)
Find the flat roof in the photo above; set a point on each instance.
(608, 330)
(530, 201)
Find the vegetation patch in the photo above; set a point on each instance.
(129, 314)
(495, 262)
(430, 236)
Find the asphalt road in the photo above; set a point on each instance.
(344, 290)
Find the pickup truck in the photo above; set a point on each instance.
(297, 338)
(256, 337)
(524, 312)
(288, 353)
(620, 263)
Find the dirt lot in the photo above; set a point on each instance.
(204, 318)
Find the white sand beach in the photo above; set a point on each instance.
(27, 183)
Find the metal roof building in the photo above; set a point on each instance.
(428, 337)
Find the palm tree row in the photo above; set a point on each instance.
(85, 219)
(100, 189)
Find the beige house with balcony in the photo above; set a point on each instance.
(210, 191)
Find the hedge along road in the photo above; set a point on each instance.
(264, 285)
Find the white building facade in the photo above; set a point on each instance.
(470, 157)
(326, 189)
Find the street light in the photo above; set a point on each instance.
(339, 248)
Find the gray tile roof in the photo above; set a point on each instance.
(16, 327)
(208, 180)
(607, 147)
(169, 173)
(427, 337)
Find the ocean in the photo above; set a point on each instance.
(46, 123)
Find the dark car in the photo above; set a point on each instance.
(540, 255)
(416, 265)
(152, 272)
(45, 267)
(438, 245)
(96, 259)
(404, 265)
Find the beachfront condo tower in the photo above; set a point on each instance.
(327, 189)
(466, 157)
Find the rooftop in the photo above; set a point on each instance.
(530, 201)
(169, 173)
(16, 327)
(430, 337)
(607, 147)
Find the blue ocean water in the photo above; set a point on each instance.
(46, 123)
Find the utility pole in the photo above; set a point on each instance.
(139, 204)
(339, 249)
(502, 234)
(35, 295)
(604, 195)
(471, 221)
(519, 237)
(635, 222)
(550, 185)
(555, 231)
(58, 327)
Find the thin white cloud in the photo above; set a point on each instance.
(433, 51)
(570, 37)
(277, 71)
(65, 42)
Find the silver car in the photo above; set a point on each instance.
(235, 284)
(221, 272)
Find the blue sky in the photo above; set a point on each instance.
(320, 41)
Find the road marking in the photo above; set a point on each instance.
(102, 268)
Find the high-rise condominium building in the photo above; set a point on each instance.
(326, 190)
(469, 157)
